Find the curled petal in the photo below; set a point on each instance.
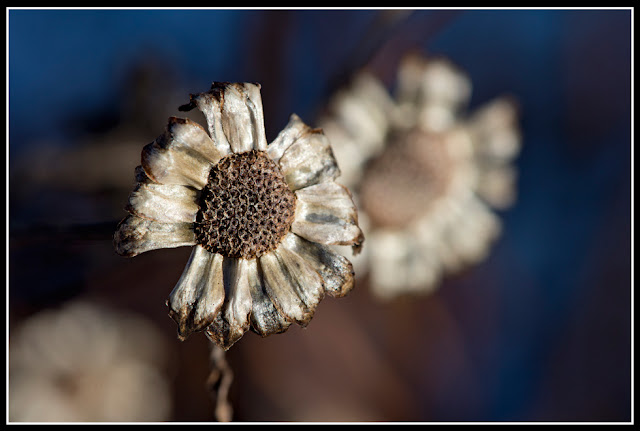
(326, 214)
(234, 116)
(197, 297)
(293, 286)
(467, 239)
(209, 104)
(293, 131)
(364, 111)
(189, 134)
(166, 203)
(495, 132)
(308, 161)
(433, 82)
(165, 163)
(496, 185)
(336, 271)
(400, 263)
(136, 235)
(253, 100)
(231, 324)
(265, 317)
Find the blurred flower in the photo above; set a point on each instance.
(260, 217)
(424, 176)
(85, 363)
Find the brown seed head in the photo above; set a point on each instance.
(246, 208)
(406, 179)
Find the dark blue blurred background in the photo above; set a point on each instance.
(541, 331)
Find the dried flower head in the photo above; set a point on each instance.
(83, 363)
(260, 217)
(424, 176)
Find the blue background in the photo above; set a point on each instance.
(539, 331)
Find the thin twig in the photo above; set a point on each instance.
(219, 383)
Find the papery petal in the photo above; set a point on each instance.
(497, 185)
(197, 298)
(234, 116)
(309, 160)
(435, 81)
(347, 151)
(325, 213)
(471, 231)
(356, 123)
(209, 103)
(166, 203)
(189, 134)
(364, 111)
(253, 101)
(293, 131)
(293, 286)
(401, 264)
(265, 317)
(165, 163)
(495, 132)
(231, 324)
(336, 271)
(137, 235)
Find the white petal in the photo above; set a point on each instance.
(400, 265)
(197, 297)
(309, 160)
(265, 317)
(234, 115)
(166, 203)
(476, 229)
(293, 131)
(336, 271)
(170, 164)
(310, 285)
(364, 111)
(254, 103)
(209, 104)
(497, 186)
(494, 129)
(347, 152)
(234, 321)
(189, 134)
(137, 235)
(435, 81)
(293, 286)
(325, 213)
(357, 123)
(239, 298)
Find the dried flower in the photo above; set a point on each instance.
(424, 176)
(261, 217)
(84, 363)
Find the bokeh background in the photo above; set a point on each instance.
(539, 331)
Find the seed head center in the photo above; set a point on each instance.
(406, 179)
(246, 208)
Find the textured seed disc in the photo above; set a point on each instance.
(406, 179)
(246, 208)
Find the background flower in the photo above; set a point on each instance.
(540, 331)
(87, 363)
(425, 173)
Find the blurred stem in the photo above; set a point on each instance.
(379, 31)
(219, 383)
(389, 36)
